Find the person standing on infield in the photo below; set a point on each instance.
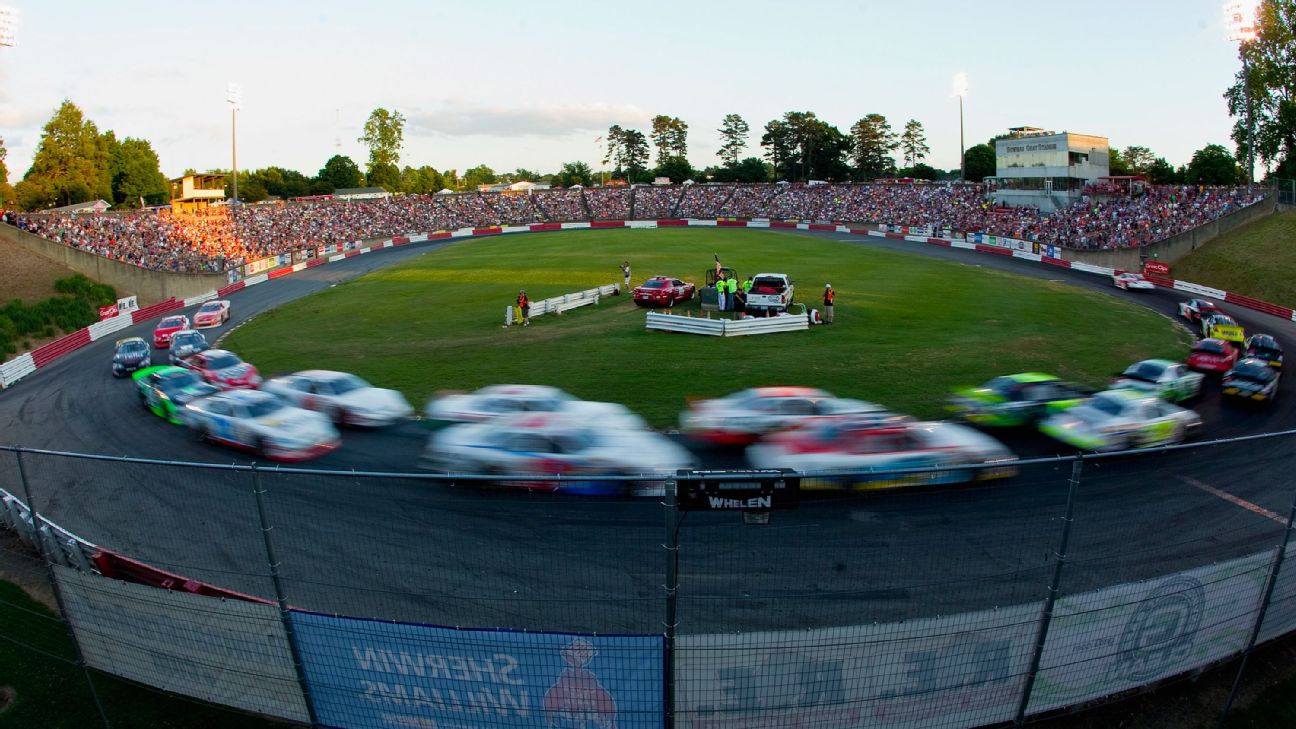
(625, 273)
(524, 308)
(829, 295)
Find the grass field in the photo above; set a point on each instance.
(908, 328)
(1257, 260)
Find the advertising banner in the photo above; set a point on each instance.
(962, 670)
(369, 675)
(127, 304)
(107, 312)
(1156, 268)
(226, 652)
(264, 264)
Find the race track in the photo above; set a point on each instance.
(419, 550)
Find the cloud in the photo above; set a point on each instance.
(457, 118)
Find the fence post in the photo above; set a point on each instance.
(280, 598)
(1266, 597)
(1046, 616)
(671, 588)
(39, 541)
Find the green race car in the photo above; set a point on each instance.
(165, 390)
(1016, 400)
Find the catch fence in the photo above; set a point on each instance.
(389, 600)
(1286, 191)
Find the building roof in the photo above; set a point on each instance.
(84, 207)
(361, 191)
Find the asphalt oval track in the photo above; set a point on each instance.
(418, 550)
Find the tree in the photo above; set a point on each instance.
(753, 169)
(71, 164)
(384, 135)
(420, 180)
(634, 155)
(676, 168)
(1271, 81)
(613, 151)
(1160, 172)
(872, 144)
(913, 143)
(7, 196)
(733, 131)
(479, 175)
(921, 171)
(978, 162)
(136, 173)
(1116, 162)
(670, 137)
(1213, 165)
(802, 146)
(340, 172)
(574, 173)
(1139, 159)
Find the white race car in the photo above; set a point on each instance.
(530, 444)
(262, 423)
(344, 398)
(212, 314)
(854, 445)
(496, 400)
(1118, 420)
(743, 417)
(186, 342)
(1132, 281)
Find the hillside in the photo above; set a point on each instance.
(1257, 260)
(26, 276)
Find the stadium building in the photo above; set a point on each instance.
(1047, 170)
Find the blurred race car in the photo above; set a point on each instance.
(131, 354)
(262, 423)
(1212, 355)
(212, 314)
(1253, 380)
(223, 369)
(1194, 309)
(1170, 381)
(1016, 400)
(344, 398)
(167, 328)
(853, 445)
(663, 291)
(530, 444)
(743, 417)
(1223, 326)
(1118, 420)
(496, 400)
(186, 342)
(1265, 347)
(1131, 281)
(166, 389)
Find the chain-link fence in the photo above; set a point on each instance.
(1286, 191)
(943, 598)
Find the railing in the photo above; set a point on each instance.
(327, 597)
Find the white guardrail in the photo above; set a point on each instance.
(664, 322)
(559, 304)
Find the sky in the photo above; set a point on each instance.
(532, 84)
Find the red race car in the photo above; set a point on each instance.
(223, 369)
(663, 291)
(1213, 355)
(212, 314)
(167, 328)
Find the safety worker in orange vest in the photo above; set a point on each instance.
(829, 295)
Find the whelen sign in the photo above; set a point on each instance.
(748, 491)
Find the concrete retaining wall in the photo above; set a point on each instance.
(149, 286)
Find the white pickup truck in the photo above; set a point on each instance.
(770, 292)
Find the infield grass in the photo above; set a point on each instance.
(908, 328)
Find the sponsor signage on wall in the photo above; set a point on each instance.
(1156, 268)
(107, 312)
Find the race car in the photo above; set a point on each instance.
(212, 314)
(743, 417)
(851, 445)
(663, 291)
(262, 423)
(1222, 326)
(186, 342)
(496, 400)
(1016, 400)
(131, 354)
(1170, 381)
(167, 328)
(1212, 355)
(1194, 309)
(164, 390)
(223, 369)
(1131, 281)
(344, 398)
(1252, 380)
(530, 444)
(1118, 420)
(1266, 348)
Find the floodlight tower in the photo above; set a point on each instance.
(8, 24)
(961, 90)
(1240, 19)
(234, 97)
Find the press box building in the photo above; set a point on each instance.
(1047, 170)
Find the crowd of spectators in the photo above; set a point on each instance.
(218, 239)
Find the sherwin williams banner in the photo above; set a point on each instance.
(365, 674)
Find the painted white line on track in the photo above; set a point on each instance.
(1235, 500)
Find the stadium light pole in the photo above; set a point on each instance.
(961, 90)
(234, 97)
(1240, 19)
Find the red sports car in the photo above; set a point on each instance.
(663, 291)
(167, 328)
(223, 369)
(1213, 355)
